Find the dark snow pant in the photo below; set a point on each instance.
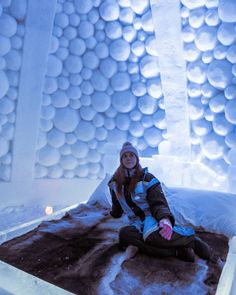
(155, 244)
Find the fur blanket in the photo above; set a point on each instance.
(80, 253)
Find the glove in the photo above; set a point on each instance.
(166, 228)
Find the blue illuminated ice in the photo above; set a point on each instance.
(230, 111)
(109, 10)
(197, 17)
(61, 20)
(5, 45)
(149, 66)
(87, 113)
(83, 6)
(108, 67)
(219, 73)
(60, 99)
(191, 52)
(192, 4)
(120, 81)
(212, 17)
(99, 82)
(206, 38)
(139, 6)
(48, 156)
(213, 146)
(101, 133)
(4, 84)
(227, 10)
(54, 66)
(123, 101)
(8, 25)
(231, 54)
(196, 72)
(102, 50)
(79, 149)
(226, 34)
(129, 33)
(66, 119)
(90, 60)
(70, 33)
(217, 103)
(147, 22)
(126, 15)
(147, 104)
(230, 92)
(85, 131)
(6, 106)
(120, 50)
(201, 127)
(73, 64)
(85, 29)
(4, 146)
(55, 138)
(77, 46)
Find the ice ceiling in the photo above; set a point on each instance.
(103, 85)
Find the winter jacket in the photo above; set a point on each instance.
(145, 207)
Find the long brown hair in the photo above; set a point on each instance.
(120, 178)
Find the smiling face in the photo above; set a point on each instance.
(129, 160)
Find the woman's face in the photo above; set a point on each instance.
(129, 160)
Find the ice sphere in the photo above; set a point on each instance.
(159, 119)
(234, 70)
(73, 64)
(120, 50)
(113, 30)
(6, 106)
(87, 88)
(90, 42)
(99, 82)
(188, 34)
(129, 33)
(66, 119)
(196, 72)
(122, 122)
(123, 101)
(226, 34)
(90, 60)
(75, 79)
(73, 92)
(136, 129)
(55, 138)
(5, 45)
(219, 73)
(147, 121)
(82, 170)
(201, 127)
(65, 149)
(70, 33)
(54, 66)
(50, 85)
(77, 46)
(211, 17)
(101, 36)
(147, 104)
(217, 103)
(13, 77)
(63, 83)
(79, 149)
(111, 112)
(62, 53)
(221, 126)
(220, 51)
(48, 156)
(83, 6)
(154, 88)
(124, 3)
(93, 16)
(117, 136)
(151, 46)
(55, 172)
(149, 66)
(4, 84)
(42, 139)
(207, 57)
(85, 29)
(85, 131)
(197, 17)
(230, 111)
(227, 11)
(87, 113)
(213, 146)
(135, 115)
(192, 4)
(61, 20)
(98, 120)
(230, 139)
(68, 8)
(100, 25)
(109, 10)
(139, 6)
(209, 115)
(133, 68)
(75, 104)
(152, 136)
(142, 35)
(60, 99)
(8, 130)
(54, 44)
(85, 100)
(211, 3)
(101, 133)
(196, 109)
(194, 90)
(8, 25)
(138, 89)
(68, 162)
(230, 92)
(147, 23)
(232, 156)
(46, 100)
(16, 42)
(102, 50)
(47, 112)
(12, 93)
(46, 125)
(231, 54)
(191, 52)
(94, 156)
(2, 63)
(13, 60)
(109, 123)
(138, 48)
(120, 81)
(206, 38)
(126, 15)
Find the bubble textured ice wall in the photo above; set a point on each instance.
(209, 37)
(12, 18)
(102, 86)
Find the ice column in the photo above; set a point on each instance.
(167, 26)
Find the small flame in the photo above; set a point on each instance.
(48, 210)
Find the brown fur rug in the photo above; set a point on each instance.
(80, 253)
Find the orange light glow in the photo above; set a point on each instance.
(48, 210)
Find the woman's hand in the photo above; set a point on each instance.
(166, 228)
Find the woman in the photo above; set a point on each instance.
(152, 229)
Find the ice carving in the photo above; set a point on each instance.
(66, 119)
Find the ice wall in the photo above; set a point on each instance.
(86, 76)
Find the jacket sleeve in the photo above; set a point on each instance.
(116, 210)
(158, 204)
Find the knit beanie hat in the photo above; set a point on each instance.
(128, 148)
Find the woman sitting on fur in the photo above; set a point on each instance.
(138, 193)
